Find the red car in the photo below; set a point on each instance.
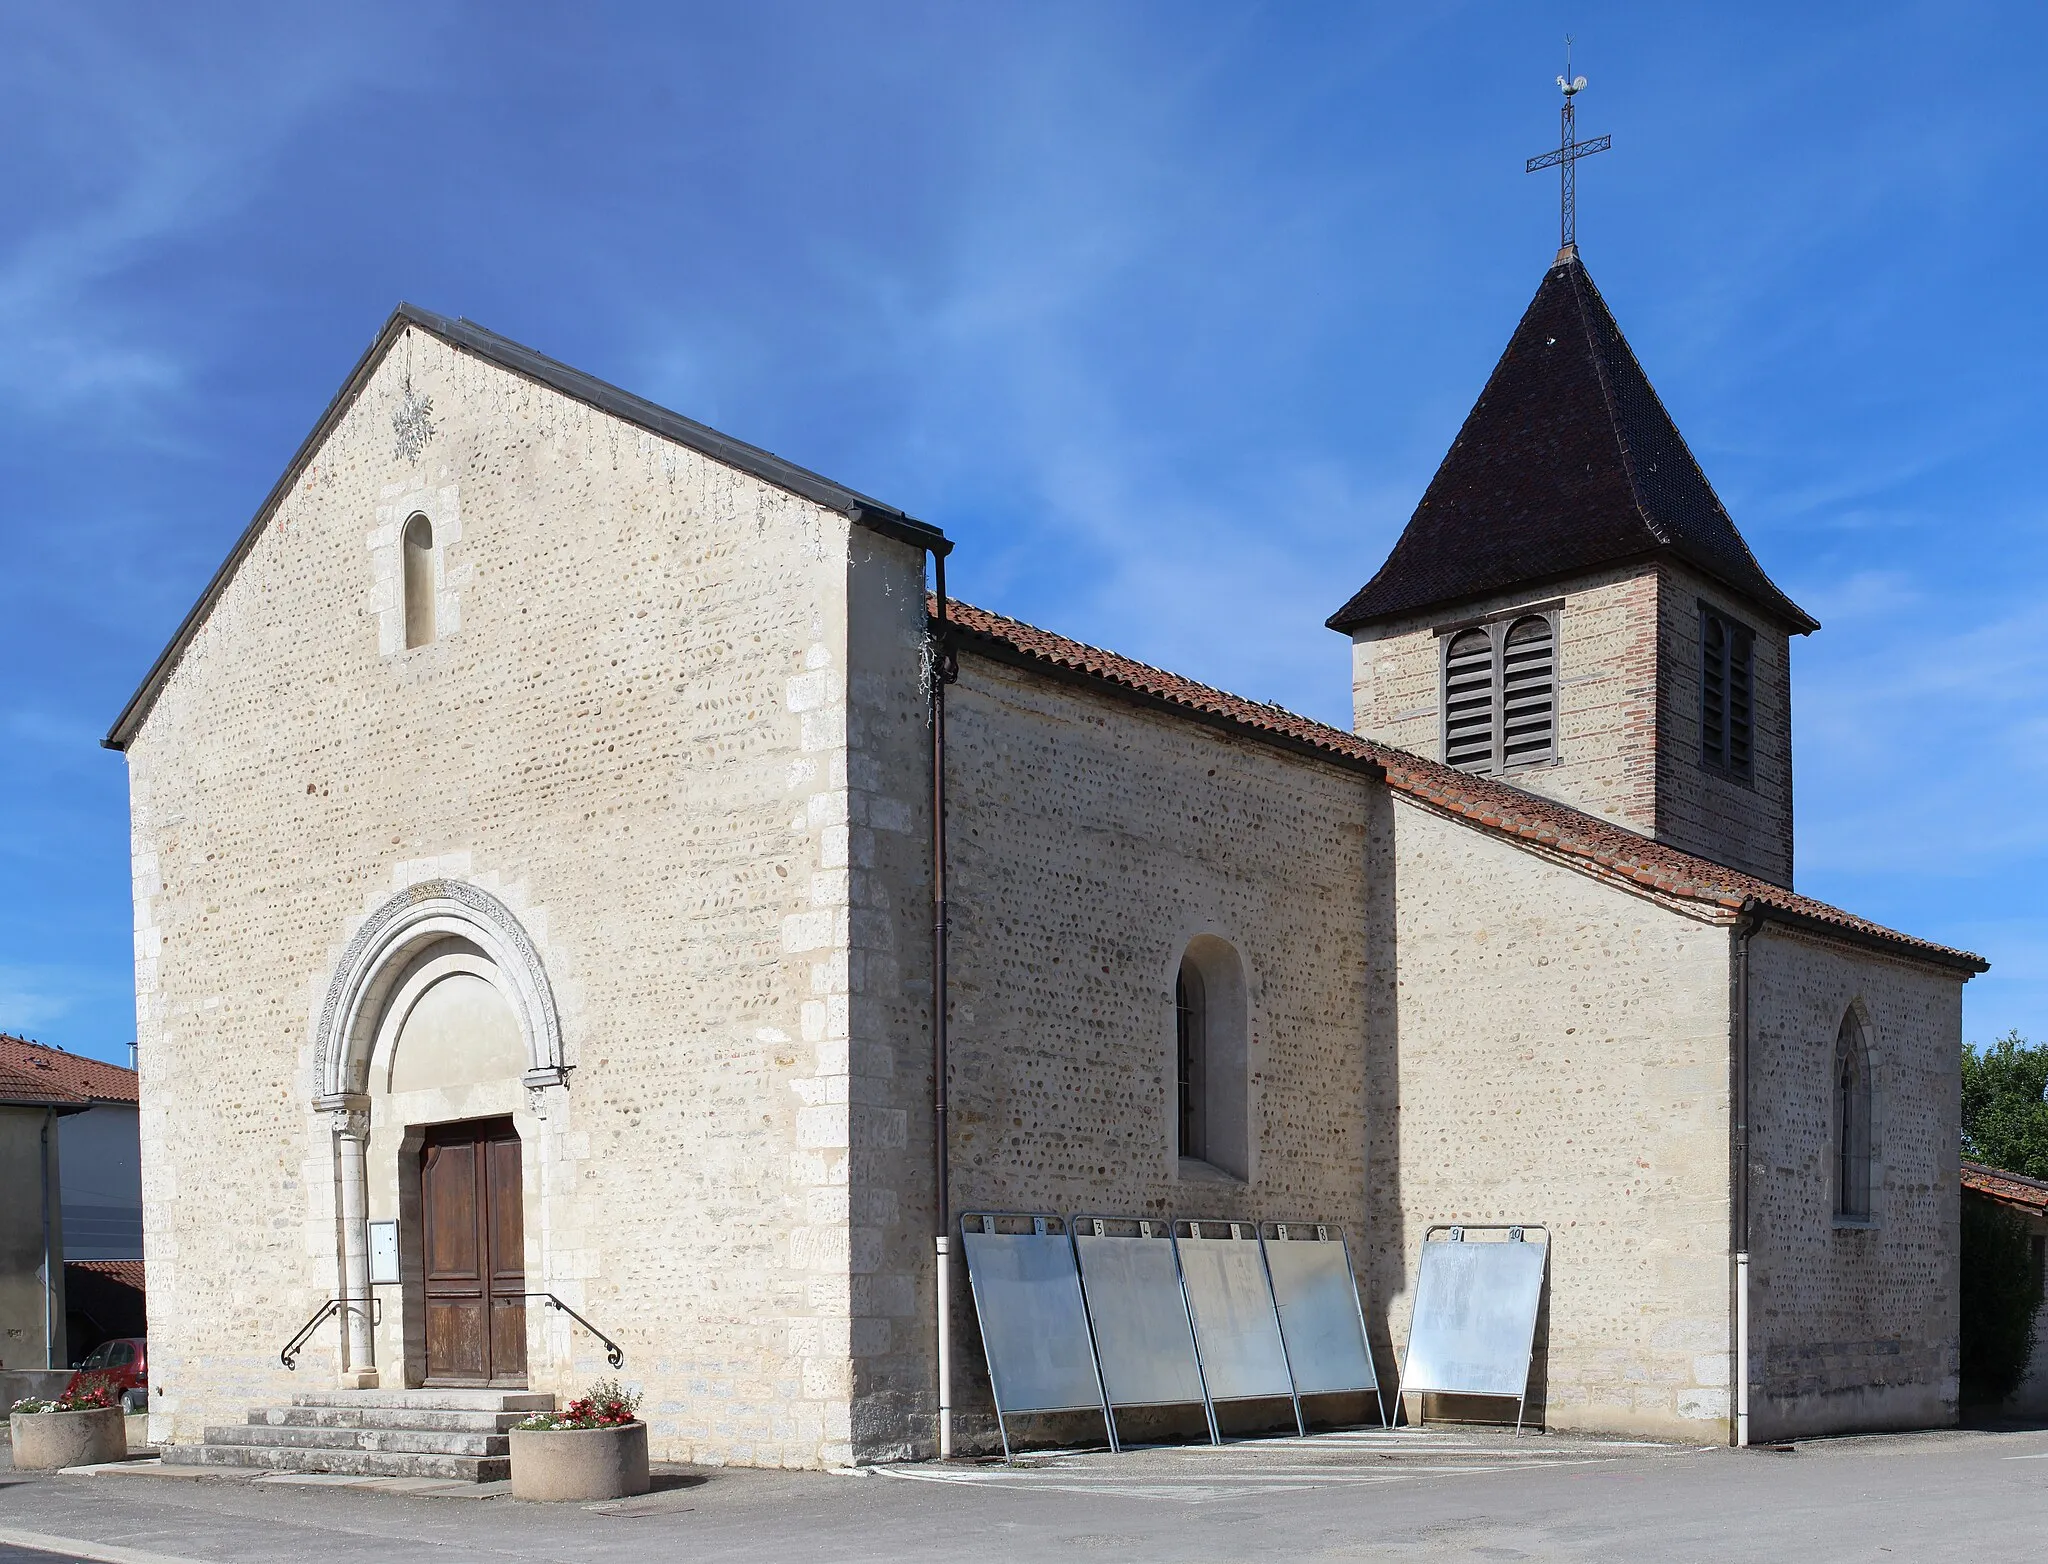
(125, 1360)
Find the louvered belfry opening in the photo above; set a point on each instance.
(1528, 692)
(1727, 680)
(1470, 707)
(1500, 695)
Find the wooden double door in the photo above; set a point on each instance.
(473, 1236)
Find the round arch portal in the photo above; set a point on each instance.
(376, 960)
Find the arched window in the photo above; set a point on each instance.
(1469, 705)
(1852, 1122)
(419, 581)
(1212, 1076)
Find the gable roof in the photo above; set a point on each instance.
(28, 1068)
(2013, 1189)
(1567, 462)
(1584, 841)
(518, 359)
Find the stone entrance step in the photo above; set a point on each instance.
(385, 1417)
(444, 1433)
(446, 1400)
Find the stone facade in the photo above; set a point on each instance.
(1852, 1324)
(660, 784)
(633, 736)
(1552, 1051)
(1627, 714)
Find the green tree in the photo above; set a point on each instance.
(2005, 1105)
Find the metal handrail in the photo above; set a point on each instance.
(614, 1354)
(289, 1357)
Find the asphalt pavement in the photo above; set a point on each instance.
(1440, 1493)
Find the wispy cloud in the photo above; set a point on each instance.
(179, 125)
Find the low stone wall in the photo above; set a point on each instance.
(15, 1384)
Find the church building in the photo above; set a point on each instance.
(536, 871)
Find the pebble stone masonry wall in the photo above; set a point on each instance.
(632, 732)
(1549, 1049)
(1089, 842)
(1852, 1325)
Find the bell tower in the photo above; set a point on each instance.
(1571, 608)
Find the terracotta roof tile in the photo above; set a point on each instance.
(2013, 1188)
(68, 1077)
(129, 1273)
(1500, 807)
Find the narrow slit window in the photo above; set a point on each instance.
(1191, 1133)
(418, 552)
(1727, 685)
(1528, 693)
(1852, 1123)
(1470, 707)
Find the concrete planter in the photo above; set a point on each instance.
(47, 1441)
(579, 1463)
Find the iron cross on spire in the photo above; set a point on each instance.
(1568, 152)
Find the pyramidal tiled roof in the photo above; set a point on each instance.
(1568, 462)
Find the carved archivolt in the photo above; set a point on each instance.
(376, 960)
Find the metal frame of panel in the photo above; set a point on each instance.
(1046, 1225)
(1246, 1237)
(1326, 1233)
(1516, 1232)
(1149, 1230)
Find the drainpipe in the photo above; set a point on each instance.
(1745, 926)
(944, 670)
(49, 1276)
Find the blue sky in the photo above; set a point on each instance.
(1164, 312)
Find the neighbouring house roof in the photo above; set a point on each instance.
(1585, 841)
(126, 1273)
(2013, 1189)
(468, 337)
(28, 1067)
(1567, 463)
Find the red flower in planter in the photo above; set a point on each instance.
(607, 1404)
(89, 1392)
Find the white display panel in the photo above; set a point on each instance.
(1475, 1316)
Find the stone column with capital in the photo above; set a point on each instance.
(350, 1113)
